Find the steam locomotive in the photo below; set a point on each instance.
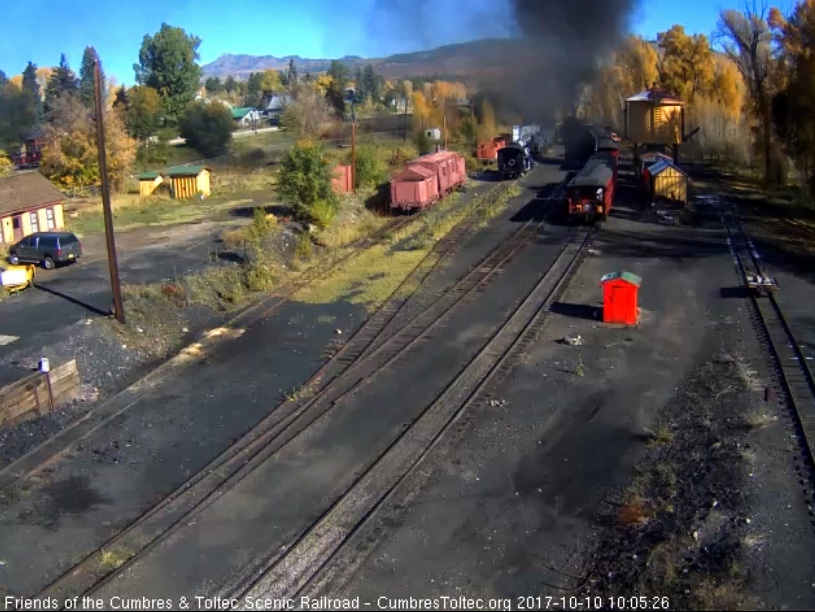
(514, 161)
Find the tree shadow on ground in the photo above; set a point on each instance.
(246, 212)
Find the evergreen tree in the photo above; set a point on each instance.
(254, 91)
(63, 82)
(30, 83)
(121, 97)
(86, 86)
(291, 74)
(339, 75)
(30, 103)
(361, 92)
(213, 85)
(371, 85)
(230, 85)
(3, 78)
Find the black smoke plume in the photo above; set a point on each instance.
(564, 43)
(557, 46)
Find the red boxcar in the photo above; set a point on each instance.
(414, 188)
(449, 169)
(487, 150)
(590, 194)
(410, 190)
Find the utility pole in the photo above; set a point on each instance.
(353, 149)
(113, 265)
(444, 123)
(406, 118)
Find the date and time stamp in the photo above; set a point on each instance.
(591, 602)
(586, 603)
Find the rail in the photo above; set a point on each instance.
(285, 574)
(793, 371)
(284, 423)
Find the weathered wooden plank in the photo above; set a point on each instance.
(28, 398)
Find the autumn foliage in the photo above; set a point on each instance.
(70, 157)
(688, 67)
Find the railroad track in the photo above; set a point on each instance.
(794, 374)
(92, 421)
(351, 368)
(284, 574)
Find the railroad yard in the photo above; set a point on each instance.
(483, 434)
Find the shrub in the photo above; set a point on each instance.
(207, 127)
(302, 248)
(304, 182)
(423, 143)
(370, 167)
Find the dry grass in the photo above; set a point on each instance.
(368, 280)
(113, 559)
(132, 212)
(661, 435)
(229, 181)
(352, 223)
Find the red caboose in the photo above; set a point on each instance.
(30, 154)
(487, 150)
(590, 194)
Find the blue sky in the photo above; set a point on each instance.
(39, 31)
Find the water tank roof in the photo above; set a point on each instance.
(655, 96)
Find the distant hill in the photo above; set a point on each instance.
(464, 59)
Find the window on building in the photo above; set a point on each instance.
(15, 223)
(35, 224)
(49, 216)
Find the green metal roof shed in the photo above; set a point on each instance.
(185, 171)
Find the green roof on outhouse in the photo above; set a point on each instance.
(185, 171)
(626, 276)
(148, 176)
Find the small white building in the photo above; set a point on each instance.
(246, 116)
(433, 133)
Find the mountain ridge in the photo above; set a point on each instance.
(453, 59)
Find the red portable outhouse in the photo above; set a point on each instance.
(341, 179)
(620, 291)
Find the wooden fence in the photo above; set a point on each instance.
(31, 397)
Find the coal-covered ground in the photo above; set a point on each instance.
(64, 317)
(176, 428)
(642, 463)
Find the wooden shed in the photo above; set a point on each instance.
(189, 181)
(148, 182)
(667, 182)
(655, 117)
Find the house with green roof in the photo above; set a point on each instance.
(246, 116)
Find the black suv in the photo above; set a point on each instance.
(47, 248)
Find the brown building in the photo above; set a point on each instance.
(29, 203)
